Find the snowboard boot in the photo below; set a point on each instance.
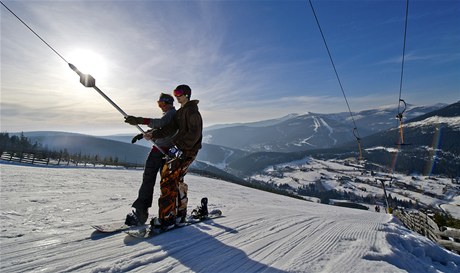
(136, 218)
(157, 223)
(181, 219)
(201, 212)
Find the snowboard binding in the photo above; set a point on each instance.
(201, 212)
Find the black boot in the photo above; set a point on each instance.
(136, 217)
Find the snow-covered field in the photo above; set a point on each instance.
(46, 215)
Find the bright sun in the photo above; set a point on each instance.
(89, 62)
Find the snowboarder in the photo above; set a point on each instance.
(155, 160)
(187, 142)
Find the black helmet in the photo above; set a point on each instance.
(183, 89)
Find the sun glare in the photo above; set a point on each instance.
(89, 62)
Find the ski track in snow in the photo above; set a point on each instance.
(261, 232)
(331, 130)
(317, 121)
(317, 124)
(222, 165)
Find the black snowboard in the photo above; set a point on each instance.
(149, 231)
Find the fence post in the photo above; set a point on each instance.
(426, 224)
(386, 197)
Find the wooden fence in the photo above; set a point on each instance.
(37, 159)
(421, 223)
(26, 158)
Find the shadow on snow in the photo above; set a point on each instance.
(199, 251)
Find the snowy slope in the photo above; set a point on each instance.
(46, 213)
(334, 174)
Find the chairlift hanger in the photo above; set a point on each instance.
(400, 116)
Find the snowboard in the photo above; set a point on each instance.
(114, 227)
(149, 231)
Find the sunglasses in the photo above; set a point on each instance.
(178, 93)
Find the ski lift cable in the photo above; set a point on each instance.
(34, 32)
(400, 113)
(403, 57)
(332, 61)
(355, 129)
(85, 79)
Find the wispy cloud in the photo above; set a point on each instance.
(413, 56)
(151, 46)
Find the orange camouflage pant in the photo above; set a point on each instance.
(173, 199)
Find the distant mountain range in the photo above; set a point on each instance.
(308, 131)
(242, 149)
(435, 129)
(432, 144)
(433, 147)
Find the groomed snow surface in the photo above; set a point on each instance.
(46, 215)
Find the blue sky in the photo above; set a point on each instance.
(244, 60)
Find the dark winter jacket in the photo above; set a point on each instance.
(190, 125)
(166, 142)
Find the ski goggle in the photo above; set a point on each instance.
(165, 99)
(179, 93)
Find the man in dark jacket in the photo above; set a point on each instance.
(155, 160)
(187, 142)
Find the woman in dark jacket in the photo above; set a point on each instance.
(155, 160)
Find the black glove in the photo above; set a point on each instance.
(174, 152)
(134, 120)
(137, 137)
